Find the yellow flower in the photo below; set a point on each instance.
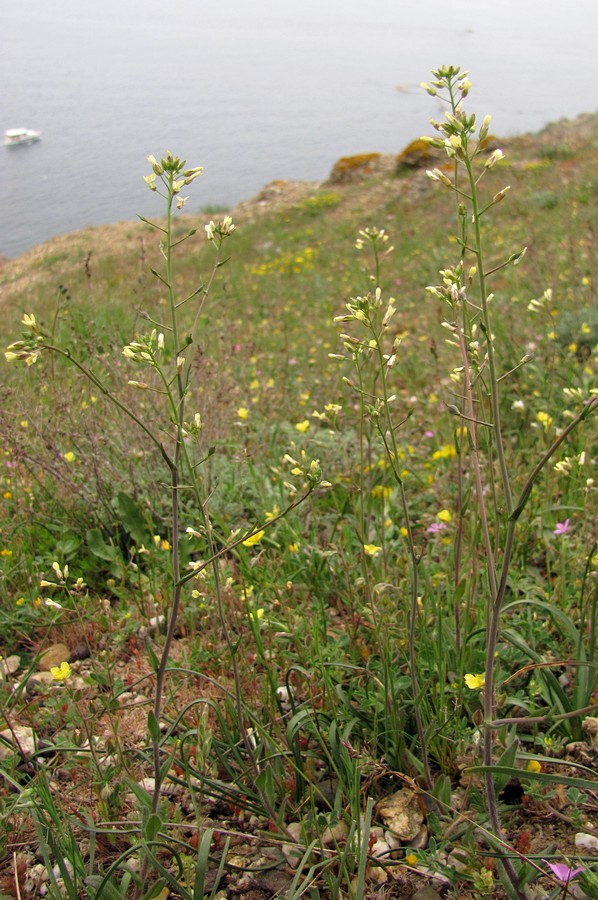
(254, 539)
(69, 457)
(534, 766)
(444, 516)
(545, 419)
(475, 682)
(20, 601)
(5, 552)
(446, 452)
(61, 672)
(302, 426)
(294, 548)
(242, 412)
(380, 490)
(411, 859)
(372, 549)
(7, 495)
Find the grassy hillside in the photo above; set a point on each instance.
(312, 672)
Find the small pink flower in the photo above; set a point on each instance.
(563, 872)
(435, 527)
(562, 527)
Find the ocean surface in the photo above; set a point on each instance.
(254, 90)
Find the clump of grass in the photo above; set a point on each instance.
(321, 201)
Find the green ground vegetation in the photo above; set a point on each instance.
(310, 673)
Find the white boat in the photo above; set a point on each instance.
(14, 137)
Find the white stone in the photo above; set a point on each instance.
(401, 813)
(10, 665)
(293, 853)
(380, 848)
(590, 727)
(23, 739)
(586, 842)
(335, 834)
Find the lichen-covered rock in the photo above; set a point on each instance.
(353, 168)
(19, 739)
(418, 154)
(590, 727)
(402, 814)
(10, 665)
(53, 656)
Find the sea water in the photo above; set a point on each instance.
(254, 90)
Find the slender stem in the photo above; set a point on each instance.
(392, 451)
(492, 620)
(494, 395)
(91, 376)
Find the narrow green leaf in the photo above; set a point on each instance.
(584, 784)
(132, 519)
(142, 795)
(156, 890)
(152, 827)
(203, 853)
(506, 760)
(99, 547)
(153, 726)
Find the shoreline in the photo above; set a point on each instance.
(566, 135)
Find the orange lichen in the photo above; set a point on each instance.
(416, 155)
(349, 168)
(490, 143)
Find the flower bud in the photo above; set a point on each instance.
(158, 170)
(484, 127)
(494, 158)
(501, 194)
